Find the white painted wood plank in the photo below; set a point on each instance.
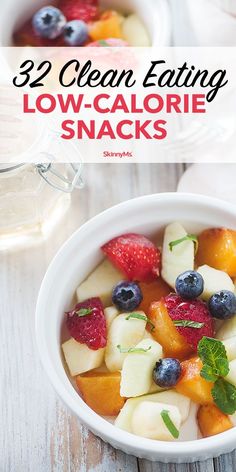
(225, 463)
(146, 466)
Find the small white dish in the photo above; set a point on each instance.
(77, 257)
(154, 13)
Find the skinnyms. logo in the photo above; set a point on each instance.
(117, 154)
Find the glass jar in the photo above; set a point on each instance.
(33, 197)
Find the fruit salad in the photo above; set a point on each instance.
(81, 23)
(151, 341)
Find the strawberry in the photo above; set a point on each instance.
(88, 2)
(86, 323)
(193, 310)
(77, 10)
(135, 255)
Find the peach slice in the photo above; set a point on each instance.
(217, 248)
(166, 334)
(109, 26)
(212, 421)
(192, 385)
(153, 291)
(101, 391)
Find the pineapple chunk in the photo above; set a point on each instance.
(230, 346)
(147, 421)
(155, 388)
(136, 374)
(147, 335)
(227, 330)
(189, 429)
(123, 332)
(134, 32)
(110, 314)
(80, 358)
(214, 281)
(100, 283)
(181, 258)
(123, 420)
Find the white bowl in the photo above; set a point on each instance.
(155, 15)
(77, 257)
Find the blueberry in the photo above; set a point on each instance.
(76, 33)
(189, 284)
(167, 372)
(49, 22)
(127, 296)
(222, 305)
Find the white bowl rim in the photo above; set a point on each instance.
(200, 448)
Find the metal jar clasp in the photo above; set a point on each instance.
(59, 181)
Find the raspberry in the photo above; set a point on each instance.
(76, 10)
(135, 255)
(88, 328)
(194, 310)
(26, 36)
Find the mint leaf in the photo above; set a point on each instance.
(224, 395)
(169, 424)
(84, 312)
(188, 324)
(223, 366)
(139, 316)
(216, 366)
(213, 356)
(209, 374)
(188, 237)
(132, 349)
(102, 42)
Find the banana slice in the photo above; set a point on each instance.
(123, 332)
(100, 283)
(123, 420)
(181, 258)
(136, 374)
(148, 422)
(189, 430)
(214, 281)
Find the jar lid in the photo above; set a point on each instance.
(7, 167)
